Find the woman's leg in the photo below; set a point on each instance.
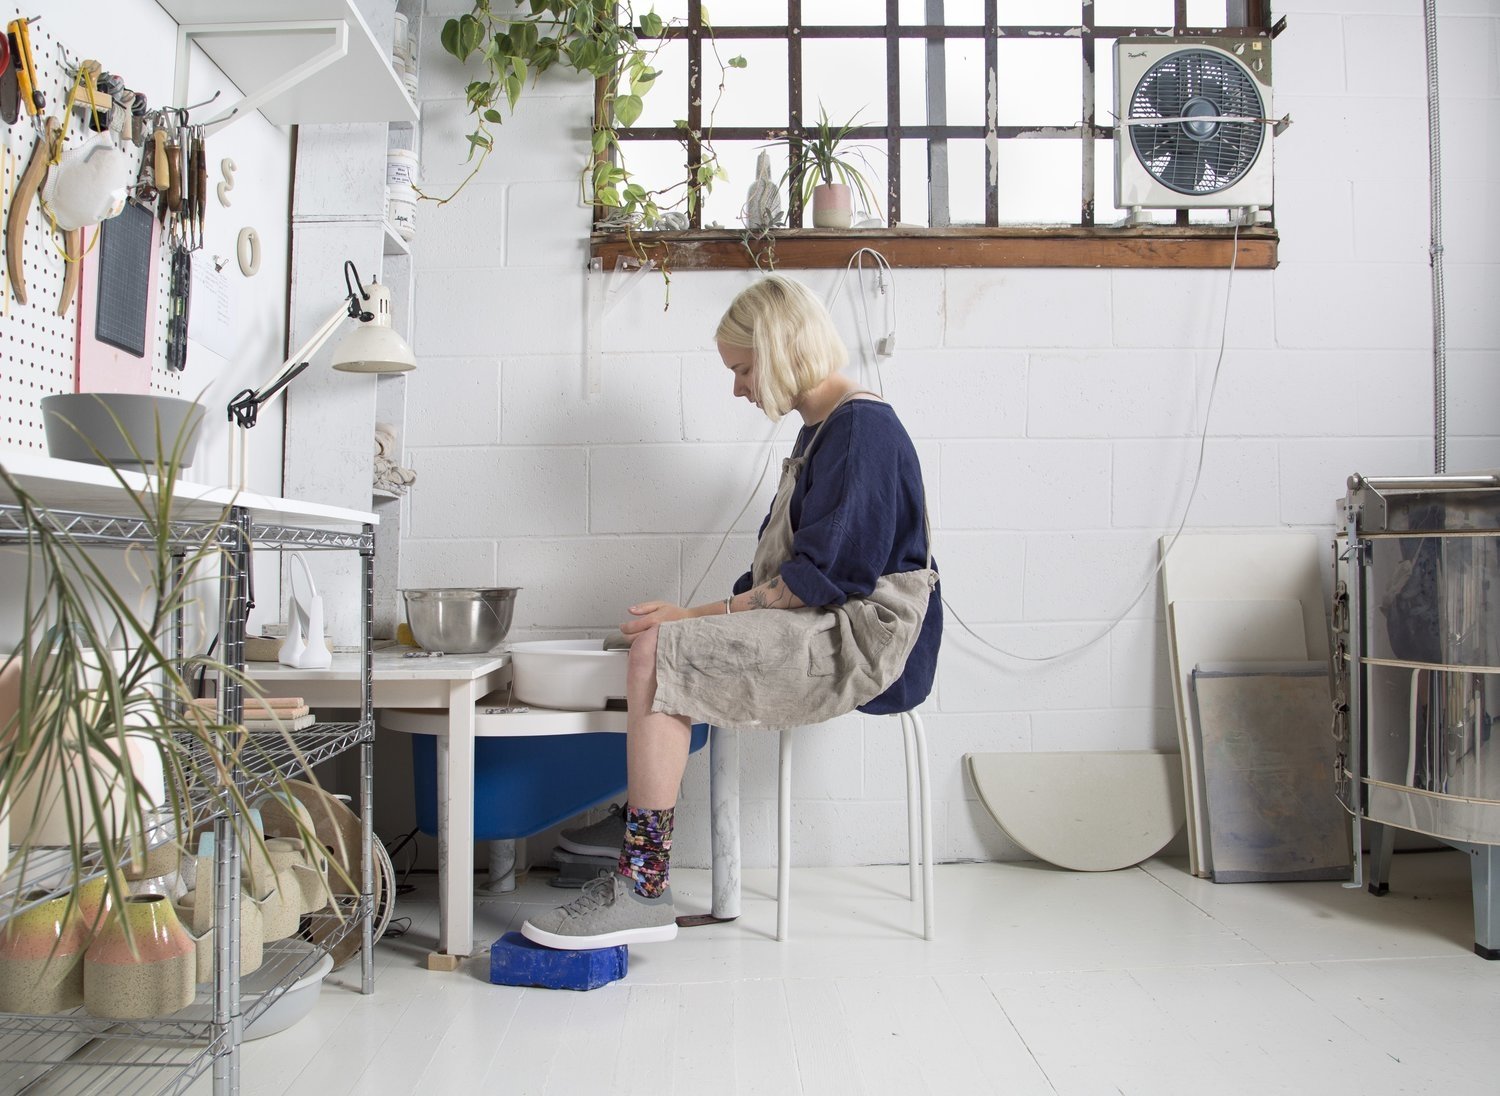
(634, 905)
(656, 744)
(656, 752)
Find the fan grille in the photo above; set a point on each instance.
(1197, 157)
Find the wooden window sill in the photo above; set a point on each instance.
(1202, 247)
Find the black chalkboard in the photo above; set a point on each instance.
(124, 273)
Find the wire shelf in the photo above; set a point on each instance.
(264, 758)
(185, 535)
(76, 1053)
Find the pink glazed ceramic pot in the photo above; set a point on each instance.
(155, 977)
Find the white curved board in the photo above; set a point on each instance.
(1086, 811)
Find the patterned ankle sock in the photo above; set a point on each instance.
(646, 856)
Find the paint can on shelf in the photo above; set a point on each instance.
(400, 40)
(401, 210)
(401, 167)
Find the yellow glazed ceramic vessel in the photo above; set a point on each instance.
(41, 960)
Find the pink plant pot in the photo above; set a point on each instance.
(154, 977)
(41, 960)
(832, 205)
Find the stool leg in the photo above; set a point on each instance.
(784, 838)
(913, 851)
(929, 923)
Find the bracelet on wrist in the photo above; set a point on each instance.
(727, 609)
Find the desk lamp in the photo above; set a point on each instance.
(372, 347)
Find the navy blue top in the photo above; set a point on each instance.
(856, 515)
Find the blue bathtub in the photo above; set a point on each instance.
(523, 785)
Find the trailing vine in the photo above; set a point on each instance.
(598, 38)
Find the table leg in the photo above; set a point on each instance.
(455, 773)
(724, 820)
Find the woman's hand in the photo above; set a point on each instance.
(649, 613)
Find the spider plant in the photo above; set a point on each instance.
(822, 157)
(98, 685)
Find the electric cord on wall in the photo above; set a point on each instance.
(1187, 508)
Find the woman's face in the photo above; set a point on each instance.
(739, 360)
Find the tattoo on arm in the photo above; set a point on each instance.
(772, 594)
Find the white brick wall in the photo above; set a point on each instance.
(1056, 413)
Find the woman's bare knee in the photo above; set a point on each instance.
(641, 668)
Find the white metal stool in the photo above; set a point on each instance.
(918, 817)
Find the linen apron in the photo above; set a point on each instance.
(777, 668)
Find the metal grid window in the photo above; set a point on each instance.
(962, 119)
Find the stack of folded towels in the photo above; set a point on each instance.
(272, 713)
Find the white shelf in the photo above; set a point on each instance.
(395, 244)
(73, 485)
(359, 87)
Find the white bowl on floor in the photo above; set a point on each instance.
(295, 1003)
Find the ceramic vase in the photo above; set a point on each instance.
(41, 967)
(281, 906)
(155, 976)
(287, 854)
(832, 206)
(94, 903)
(200, 923)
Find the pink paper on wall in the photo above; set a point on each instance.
(102, 367)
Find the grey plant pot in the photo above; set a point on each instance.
(82, 426)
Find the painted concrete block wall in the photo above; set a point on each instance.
(1057, 413)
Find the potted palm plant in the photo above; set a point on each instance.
(827, 169)
(104, 759)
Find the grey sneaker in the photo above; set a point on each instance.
(603, 838)
(608, 912)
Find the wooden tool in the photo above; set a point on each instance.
(20, 207)
(73, 248)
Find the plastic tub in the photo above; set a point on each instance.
(401, 210)
(401, 167)
(576, 675)
(296, 1002)
(524, 785)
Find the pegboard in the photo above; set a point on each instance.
(38, 348)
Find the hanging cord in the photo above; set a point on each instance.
(1192, 495)
(1435, 249)
(770, 444)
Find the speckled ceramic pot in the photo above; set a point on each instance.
(252, 933)
(156, 977)
(281, 906)
(41, 960)
(312, 884)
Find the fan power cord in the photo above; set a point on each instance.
(1192, 495)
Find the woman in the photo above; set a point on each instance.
(840, 611)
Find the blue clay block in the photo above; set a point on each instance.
(517, 961)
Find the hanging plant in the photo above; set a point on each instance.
(598, 38)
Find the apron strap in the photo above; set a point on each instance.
(812, 441)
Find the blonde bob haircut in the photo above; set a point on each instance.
(791, 336)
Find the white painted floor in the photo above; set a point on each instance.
(1040, 981)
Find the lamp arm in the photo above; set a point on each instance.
(245, 407)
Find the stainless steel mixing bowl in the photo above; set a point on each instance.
(460, 619)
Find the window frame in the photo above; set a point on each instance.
(1083, 244)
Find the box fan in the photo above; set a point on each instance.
(1192, 130)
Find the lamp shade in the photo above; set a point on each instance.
(374, 346)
